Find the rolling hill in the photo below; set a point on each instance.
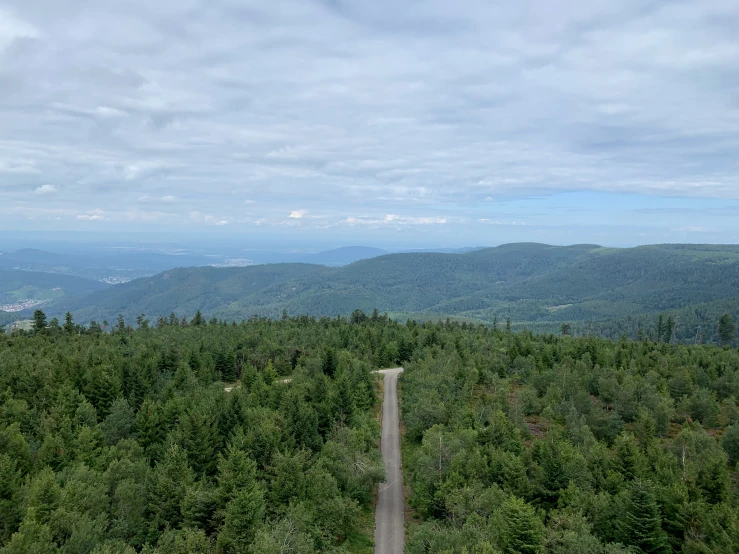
(344, 256)
(25, 289)
(533, 284)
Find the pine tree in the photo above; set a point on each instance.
(660, 328)
(226, 367)
(627, 460)
(641, 525)
(200, 439)
(150, 429)
(169, 482)
(522, 532)
(198, 319)
(730, 442)
(726, 330)
(68, 323)
(32, 537)
(329, 362)
(244, 514)
(39, 321)
(669, 329)
(10, 480)
(405, 350)
(120, 423)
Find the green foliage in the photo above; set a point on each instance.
(594, 290)
(558, 444)
(127, 441)
(130, 440)
(640, 524)
(521, 529)
(726, 330)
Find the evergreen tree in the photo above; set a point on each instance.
(225, 366)
(328, 365)
(730, 442)
(120, 423)
(726, 330)
(640, 524)
(244, 514)
(171, 479)
(33, 537)
(69, 326)
(198, 319)
(669, 329)
(39, 321)
(522, 532)
(200, 440)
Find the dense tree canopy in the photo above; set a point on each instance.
(552, 444)
(186, 435)
(189, 437)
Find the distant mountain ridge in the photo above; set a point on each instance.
(344, 255)
(530, 283)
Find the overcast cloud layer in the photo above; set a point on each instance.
(468, 120)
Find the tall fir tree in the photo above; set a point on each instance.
(640, 525)
(726, 330)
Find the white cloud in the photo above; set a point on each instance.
(396, 220)
(694, 229)
(424, 109)
(44, 190)
(89, 217)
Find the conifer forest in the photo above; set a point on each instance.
(185, 435)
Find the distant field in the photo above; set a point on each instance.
(30, 292)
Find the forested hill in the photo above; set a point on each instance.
(529, 283)
(262, 437)
(19, 288)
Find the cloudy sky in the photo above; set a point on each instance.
(370, 121)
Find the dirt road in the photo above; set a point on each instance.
(389, 518)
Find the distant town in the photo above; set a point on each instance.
(21, 305)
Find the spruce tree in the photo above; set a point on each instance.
(244, 514)
(669, 329)
(39, 321)
(730, 442)
(726, 330)
(522, 532)
(640, 525)
(198, 319)
(329, 362)
(68, 323)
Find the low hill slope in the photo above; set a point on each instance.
(30, 288)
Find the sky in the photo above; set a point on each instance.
(372, 122)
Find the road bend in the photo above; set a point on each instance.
(389, 516)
